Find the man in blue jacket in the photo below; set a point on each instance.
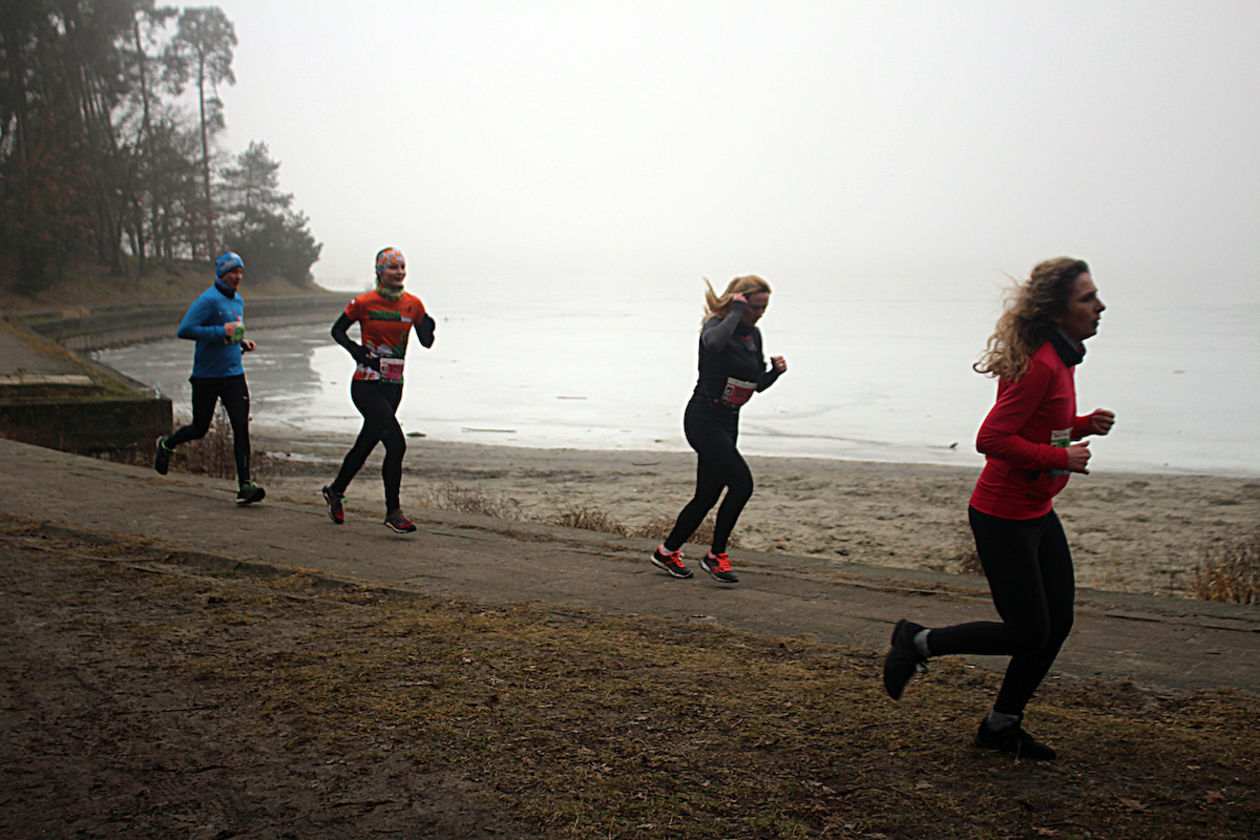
(216, 322)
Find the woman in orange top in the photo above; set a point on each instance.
(386, 317)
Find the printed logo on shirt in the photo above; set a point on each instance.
(384, 315)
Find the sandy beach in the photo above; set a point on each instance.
(1130, 532)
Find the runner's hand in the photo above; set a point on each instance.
(247, 345)
(230, 329)
(1101, 421)
(1078, 457)
(364, 357)
(738, 297)
(778, 363)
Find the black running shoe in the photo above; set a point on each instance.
(335, 501)
(670, 561)
(250, 493)
(395, 521)
(718, 565)
(162, 455)
(1014, 740)
(903, 658)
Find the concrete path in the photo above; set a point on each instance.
(20, 364)
(1161, 642)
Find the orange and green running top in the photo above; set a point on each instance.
(385, 325)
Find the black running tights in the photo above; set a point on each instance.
(376, 401)
(1029, 568)
(712, 431)
(234, 394)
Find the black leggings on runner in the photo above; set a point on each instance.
(376, 401)
(712, 431)
(234, 394)
(1029, 568)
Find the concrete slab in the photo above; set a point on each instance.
(1161, 642)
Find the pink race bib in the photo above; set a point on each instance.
(391, 369)
(737, 392)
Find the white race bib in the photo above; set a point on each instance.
(1061, 438)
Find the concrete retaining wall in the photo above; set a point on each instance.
(121, 325)
(87, 426)
(71, 421)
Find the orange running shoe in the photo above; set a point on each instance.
(719, 565)
(670, 561)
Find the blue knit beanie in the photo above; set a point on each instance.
(227, 261)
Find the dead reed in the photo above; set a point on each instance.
(659, 526)
(210, 456)
(1231, 572)
(588, 517)
(454, 497)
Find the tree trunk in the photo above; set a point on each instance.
(208, 218)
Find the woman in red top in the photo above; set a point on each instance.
(386, 317)
(1028, 442)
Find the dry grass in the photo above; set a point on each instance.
(567, 513)
(210, 456)
(1230, 573)
(585, 725)
(469, 500)
(588, 517)
(659, 527)
(88, 284)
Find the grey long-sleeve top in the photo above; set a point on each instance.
(730, 349)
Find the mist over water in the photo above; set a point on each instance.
(871, 379)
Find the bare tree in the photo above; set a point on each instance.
(147, 23)
(202, 51)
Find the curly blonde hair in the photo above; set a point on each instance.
(719, 306)
(1028, 318)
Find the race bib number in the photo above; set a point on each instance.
(737, 392)
(1061, 438)
(391, 369)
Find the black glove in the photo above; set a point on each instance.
(363, 357)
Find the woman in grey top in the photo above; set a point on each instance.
(731, 368)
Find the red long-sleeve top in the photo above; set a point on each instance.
(1025, 436)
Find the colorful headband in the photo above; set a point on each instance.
(227, 261)
(387, 257)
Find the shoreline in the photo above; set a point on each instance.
(1138, 532)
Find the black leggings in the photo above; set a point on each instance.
(234, 394)
(376, 401)
(1029, 568)
(712, 431)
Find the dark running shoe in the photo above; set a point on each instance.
(718, 565)
(670, 561)
(250, 493)
(395, 521)
(903, 658)
(1014, 740)
(335, 501)
(162, 455)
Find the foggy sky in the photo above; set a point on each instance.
(877, 146)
